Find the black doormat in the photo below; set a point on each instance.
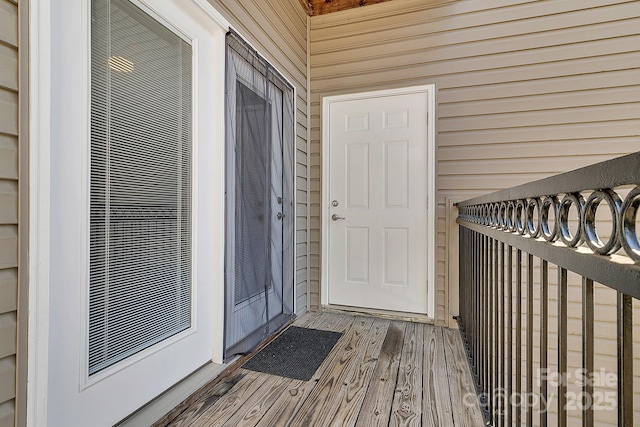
(296, 353)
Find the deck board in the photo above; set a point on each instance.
(223, 409)
(287, 404)
(316, 407)
(259, 403)
(380, 373)
(190, 415)
(436, 394)
(406, 410)
(345, 406)
(462, 390)
(376, 407)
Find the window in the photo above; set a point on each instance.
(140, 188)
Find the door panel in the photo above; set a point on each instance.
(396, 174)
(378, 188)
(357, 255)
(395, 254)
(357, 175)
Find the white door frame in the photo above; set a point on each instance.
(39, 226)
(429, 90)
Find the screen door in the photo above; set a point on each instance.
(259, 198)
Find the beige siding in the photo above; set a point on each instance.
(8, 209)
(8, 290)
(7, 413)
(525, 89)
(278, 30)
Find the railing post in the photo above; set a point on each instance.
(510, 336)
(587, 350)
(529, 338)
(496, 325)
(544, 340)
(475, 311)
(562, 346)
(518, 331)
(485, 318)
(502, 338)
(472, 253)
(490, 329)
(625, 360)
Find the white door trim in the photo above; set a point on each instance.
(429, 89)
(39, 199)
(39, 212)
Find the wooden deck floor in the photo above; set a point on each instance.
(379, 373)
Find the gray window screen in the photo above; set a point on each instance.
(260, 198)
(251, 195)
(140, 189)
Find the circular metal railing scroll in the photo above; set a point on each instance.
(551, 219)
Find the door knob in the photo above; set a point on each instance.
(280, 215)
(335, 217)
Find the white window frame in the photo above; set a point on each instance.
(40, 85)
(90, 379)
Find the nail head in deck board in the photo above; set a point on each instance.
(377, 403)
(436, 400)
(407, 403)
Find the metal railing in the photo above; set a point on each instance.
(510, 241)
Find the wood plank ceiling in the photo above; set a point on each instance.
(321, 7)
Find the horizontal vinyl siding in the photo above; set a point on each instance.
(525, 89)
(8, 209)
(278, 30)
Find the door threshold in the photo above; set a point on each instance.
(383, 314)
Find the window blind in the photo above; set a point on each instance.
(140, 185)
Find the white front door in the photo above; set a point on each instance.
(135, 300)
(378, 199)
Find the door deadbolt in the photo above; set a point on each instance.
(334, 203)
